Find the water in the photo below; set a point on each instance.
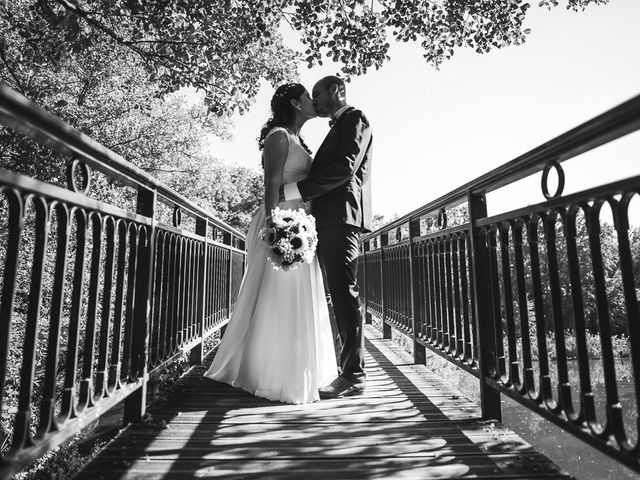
(572, 454)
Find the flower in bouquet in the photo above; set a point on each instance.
(292, 238)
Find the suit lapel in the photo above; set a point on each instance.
(319, 158)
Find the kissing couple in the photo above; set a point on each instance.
(279, 343)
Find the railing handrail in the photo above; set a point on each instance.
(152, 290)
(514, 297)
(606, 127)
(24, 116)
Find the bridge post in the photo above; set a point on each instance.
(386, 328)
(196, 354)
(485, 326)
(135, 404)
(419, 352)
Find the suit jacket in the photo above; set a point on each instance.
(339, 184)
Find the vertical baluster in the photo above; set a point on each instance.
(209, 286)
(422, 293)
(398, 284)
(156, 307)
(458, 347)
(564, 388)
(228, 240)
(435, 299)
(186, 274)
(188, 289)
(481, 291)
(218, 292)
(182, 294)
(386, 328)
(393, 282)
(389, 284)
(135, 404)
(495, 296)
(196, 311)
(432, 325)
(419, 352)
(197, 352)
(101, 386)
(450, 337)
(85, 398)
(223, 276)
(193, 291)
(215, 283)
(587, 400)
(407, 320)
(15, 225)
(168, 294)
(523, 311)
(464, 287)
(175, 297)
(126, 374)
(441, 297)
(21, 435)
(543, 357)
(116, 346)
(365, 284)
(614, 409)
(68, 394)
(514, 373)
(408, 299)
(47, 406)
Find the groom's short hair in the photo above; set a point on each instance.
(330, 80)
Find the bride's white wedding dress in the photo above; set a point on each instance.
(278, 343)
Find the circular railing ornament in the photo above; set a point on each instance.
(76, 168)
(545, 180)
(442, 219)
(177, 216)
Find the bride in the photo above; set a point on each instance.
(278, 344)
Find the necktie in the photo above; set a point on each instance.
(332, 122)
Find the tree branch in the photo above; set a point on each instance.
(170, 171)
(125, 142)
(128, 44)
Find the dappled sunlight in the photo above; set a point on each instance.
(407, 424)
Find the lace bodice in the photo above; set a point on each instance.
(298, 164)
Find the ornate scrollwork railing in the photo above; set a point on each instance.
(535, 302)
(96, 297)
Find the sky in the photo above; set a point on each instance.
(435, 130)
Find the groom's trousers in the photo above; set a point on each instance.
(338, 251)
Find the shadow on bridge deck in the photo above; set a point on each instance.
(408, 424)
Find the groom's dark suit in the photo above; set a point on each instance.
(340, 188)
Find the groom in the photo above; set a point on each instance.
(340, 188)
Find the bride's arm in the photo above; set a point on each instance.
(276, 148)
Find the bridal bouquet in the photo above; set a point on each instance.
(291, 237)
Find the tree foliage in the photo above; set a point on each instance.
(226, 47)
(105, 93)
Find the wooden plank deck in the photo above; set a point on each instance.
(408, 424)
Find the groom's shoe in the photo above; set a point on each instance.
(341, 387)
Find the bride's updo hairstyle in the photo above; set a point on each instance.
(282, 112)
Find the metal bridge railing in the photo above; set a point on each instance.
(535, 302)
(95, 297)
